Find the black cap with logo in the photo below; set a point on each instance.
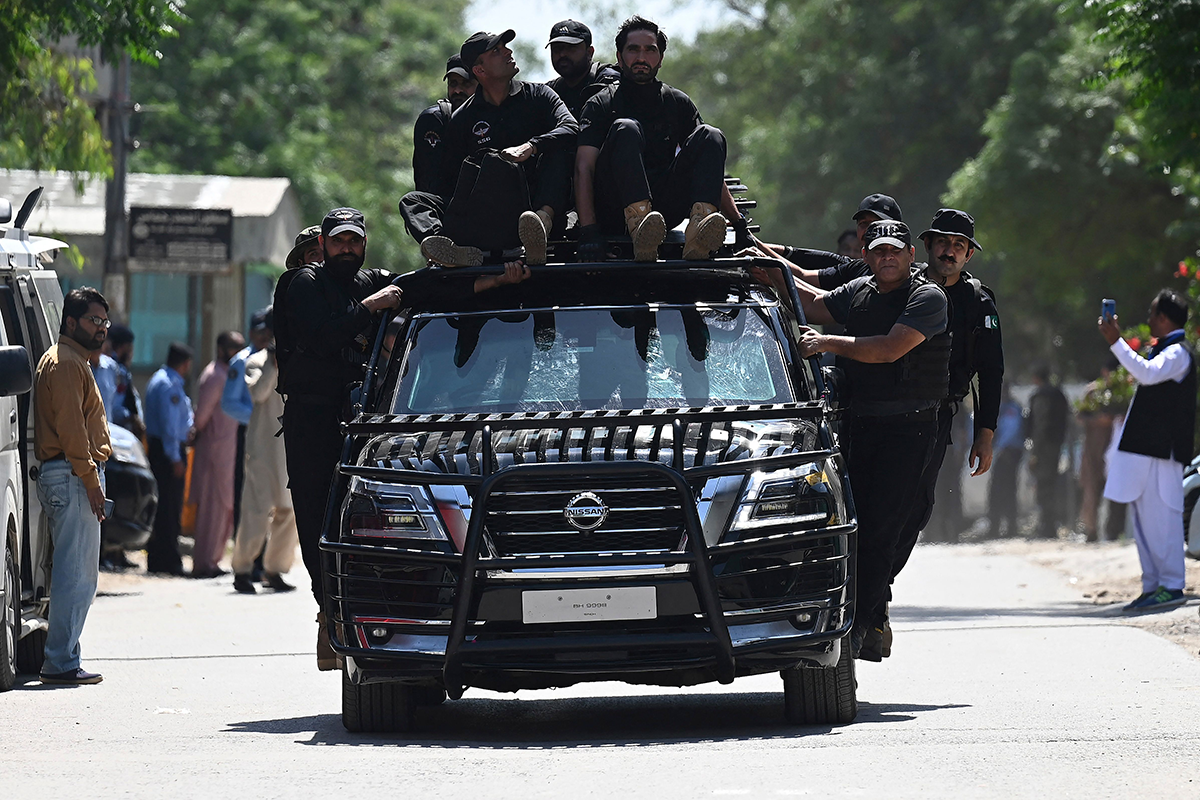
(887, 231)
(344, 219)
(570, 31)
(952, 222)
(479, 43)
(881, 205)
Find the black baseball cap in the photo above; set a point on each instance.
(881, 205)
(479, 43)
(570, 32)
(303, 239)
(261, 320)
(952, 222)
(887, 231)
(344, 219)
(454, 65)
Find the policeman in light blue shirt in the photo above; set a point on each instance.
(105, 373)
(127, 406)
(168, 428)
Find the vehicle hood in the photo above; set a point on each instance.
(457, 452)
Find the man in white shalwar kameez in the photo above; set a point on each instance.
(1152, 446)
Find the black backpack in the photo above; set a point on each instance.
(489, 198)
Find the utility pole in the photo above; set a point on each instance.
(116, 235)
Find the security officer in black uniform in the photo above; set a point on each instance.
(579, 77)
(646, 160)
(507, 173)
(329, 308)
(826, 270)
(430, 128)
(895, 353)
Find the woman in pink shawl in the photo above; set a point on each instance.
(212, 462)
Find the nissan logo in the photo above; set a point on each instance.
(586, 512)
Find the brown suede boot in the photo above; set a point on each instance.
(705, 232)
(647, 229)
(443, 251)
(327, 659)
(534, 230)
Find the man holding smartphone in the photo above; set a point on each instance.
(71, 440)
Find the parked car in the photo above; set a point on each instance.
(613, 471)
(130, 484)
(31, 310)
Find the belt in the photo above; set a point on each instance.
(924, 415)
(58, 457)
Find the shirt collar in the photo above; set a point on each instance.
(71, 344)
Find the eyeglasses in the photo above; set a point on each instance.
(99, 322)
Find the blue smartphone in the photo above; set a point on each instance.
(1108, 308)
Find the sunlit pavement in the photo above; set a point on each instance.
(1000, 686)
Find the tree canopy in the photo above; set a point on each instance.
(44, 121)
(323, 92)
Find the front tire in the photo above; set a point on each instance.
(377, 707)
(10, 621)
(823, 695)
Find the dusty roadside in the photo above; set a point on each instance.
(1107, 574)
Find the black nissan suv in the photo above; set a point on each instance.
(613, 471)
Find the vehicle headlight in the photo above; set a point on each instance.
(801, 497)
(129, 451)
(383, 510)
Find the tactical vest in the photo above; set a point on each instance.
(1162, 418)
(921, 374)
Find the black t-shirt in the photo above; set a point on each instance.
(532, 113)
(429, 147)
(599, 76)
(668, 118)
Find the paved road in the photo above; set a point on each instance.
(1000, 686)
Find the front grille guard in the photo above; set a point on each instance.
(458, 648)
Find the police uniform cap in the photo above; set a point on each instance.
(881, 205)
(340, 220)
(951, 222)
(480, 42)
(570, 31)
(887, 231)
(455, 66)
(303, 239)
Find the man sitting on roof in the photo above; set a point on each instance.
(646, 160)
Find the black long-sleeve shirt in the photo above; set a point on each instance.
(429, 146)
(667, 115)
(532, 113)
(599, 76)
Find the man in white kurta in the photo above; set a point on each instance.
(1152, 486)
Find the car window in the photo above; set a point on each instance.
(565, 360)
(50, 296)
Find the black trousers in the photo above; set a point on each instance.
(239, 477)
(888, 456)
(695, 176)
(312, 441)
(162, 551)
(1002, 491)
(923, 500)
(549, 184)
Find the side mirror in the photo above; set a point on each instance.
(15, 375)
(5, 211)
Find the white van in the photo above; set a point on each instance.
(31, 311)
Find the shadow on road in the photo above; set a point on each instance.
(900, 613)
(504, 723)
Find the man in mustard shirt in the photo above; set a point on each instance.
(71, 441)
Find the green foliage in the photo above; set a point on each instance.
(1155, 45)
(44, 123)
(324, 93)
(1069, 214)
(826, 101)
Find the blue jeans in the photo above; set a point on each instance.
(75, 532)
